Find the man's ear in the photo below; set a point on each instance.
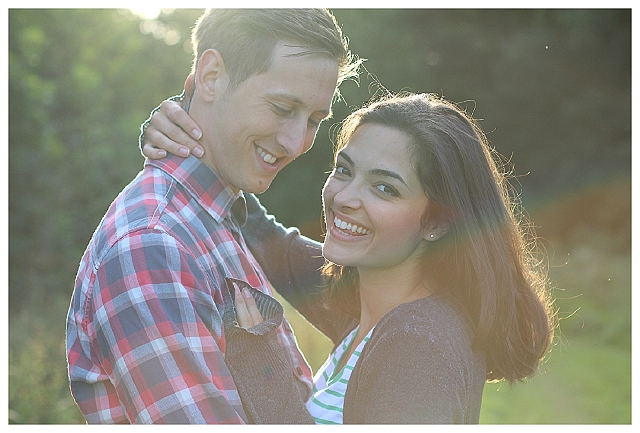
(211, 75)
(436, 229)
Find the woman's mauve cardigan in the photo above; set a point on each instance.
(417, 368)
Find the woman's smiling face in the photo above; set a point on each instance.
(374, 202)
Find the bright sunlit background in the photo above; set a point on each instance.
(552, 89)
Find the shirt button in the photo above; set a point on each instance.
(298, 371)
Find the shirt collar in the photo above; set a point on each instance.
(205, 185)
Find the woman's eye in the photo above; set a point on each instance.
(341, 169)
(387, 189)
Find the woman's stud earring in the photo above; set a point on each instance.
(432, 236)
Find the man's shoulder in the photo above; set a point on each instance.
(139, 206)
(144, 229)
(142, 202)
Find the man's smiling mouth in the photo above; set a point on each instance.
(266, 156)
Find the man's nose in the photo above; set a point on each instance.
(295, 139)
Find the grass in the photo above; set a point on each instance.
(580, 384)
(38, 381)
(586, 380)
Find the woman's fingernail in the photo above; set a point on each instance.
(196, 134)
(184, 151)
(246, 293)
(198, 152)
(162, 153)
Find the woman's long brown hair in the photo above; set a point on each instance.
(488, 263)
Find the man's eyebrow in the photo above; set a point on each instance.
(375, 171)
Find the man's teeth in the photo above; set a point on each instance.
(267, 157)
(342, 225)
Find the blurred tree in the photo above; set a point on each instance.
(553, 86)
(80, 84)
(552, 89)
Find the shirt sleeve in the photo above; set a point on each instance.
(157, 333)
(290, 259)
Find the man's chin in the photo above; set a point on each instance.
(258, 188)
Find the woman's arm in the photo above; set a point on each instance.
(169, 128)
(258, 364)
(292, 263)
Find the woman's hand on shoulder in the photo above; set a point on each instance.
(172, 130)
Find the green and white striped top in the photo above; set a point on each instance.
(330, 386)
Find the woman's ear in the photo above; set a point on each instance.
(436, 229)
(211, 75)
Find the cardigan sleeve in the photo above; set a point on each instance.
(259, 366)
(417, 368)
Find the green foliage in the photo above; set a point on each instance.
(38, 382)
(552, 88)
(80, 84)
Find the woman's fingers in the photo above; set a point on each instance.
(247, 313)
(166, 133)
(190, 84)
(156, 144)
(256, 317)
(176, 114)
(242, 313)
(149, 150)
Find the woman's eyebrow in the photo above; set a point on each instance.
(375, 171)
(343, 155)
(389, 173)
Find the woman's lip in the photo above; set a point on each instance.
(347, 226)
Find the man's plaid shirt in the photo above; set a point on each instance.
(145, 339)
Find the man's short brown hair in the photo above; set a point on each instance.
(246, 38)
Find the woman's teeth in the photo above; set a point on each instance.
(267, 157)
(342, 225)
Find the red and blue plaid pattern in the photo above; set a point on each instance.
(145, 339)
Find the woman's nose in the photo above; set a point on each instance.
(348, 196)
